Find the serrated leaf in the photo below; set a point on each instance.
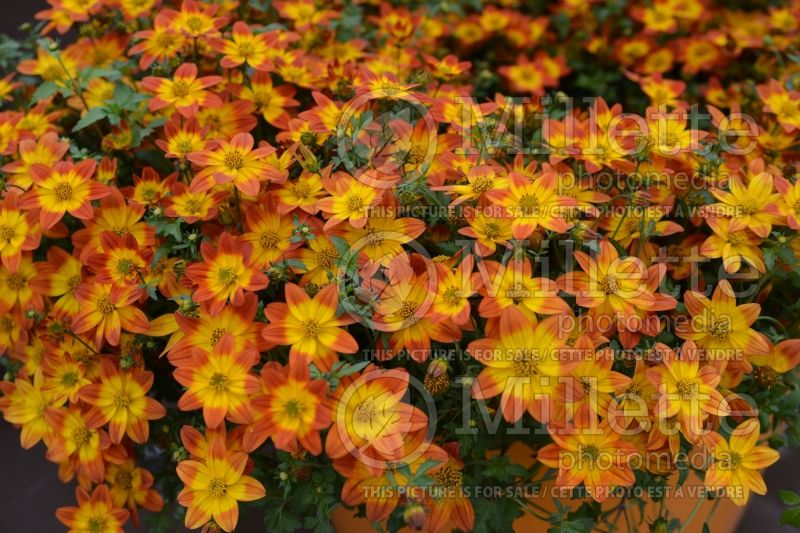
(91, 116)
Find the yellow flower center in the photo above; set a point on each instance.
(737, 237)
(481, 184)
(69, 379)
(449, 477)
(355, 203)
(720, 329)
(268, 240)
(452, 296)
(609, 284)
(73, 283)
(246, 49)
(373, 236)
(96, 524)
(586, 383)
(179, 89)
(233, 160)
(218, 382)
(227, 276)
(526, 363)
(216, 335)
(300, 189)
(193, 206)
(6, 232)
(749, 207)
(124, 479)
(517, 293)
(491, 230)
(81, 436)
(590, 452)
(63, 191)
(122, 399)
(687, 388)
(104, 305)
(529, 204)
(311, 328)
(217, 487)
(125, 266)
(365, 411)
(294, 408)
(732, 460)
(327, 258)
(16, 281)
(408, 310)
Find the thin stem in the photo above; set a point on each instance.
(691, 515)
(80, 340)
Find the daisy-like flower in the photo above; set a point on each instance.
(193, 206)
(77, 439)
(215, 486)
(488, 231)
(535, 203)
(686, 390)
(185, 91)
(46, 150)
(271, 101)
(737, 463)
(301, 193)
(523, 365)
(63, 188)
(244, 47)
(598, 383)
(59, 277)
(220, 383)
(106, 310)
(448, 500)
(95, 512)
(292, 409)
(747, 204)
(225, 273)
(234, 162)
(182, 137)
(591, 453)
(381, 238)
(719, 327)
(64, 378)
(270, 234)
(24, 404)
(121, 398)
(453, 290)
(512, 285)
(122, 261)
(371, 420)
(481, 179)
(734, 247)
(16, 290)
(310, 326)
(349, 200)
(18, 232)
(131, 487)
(196, 19)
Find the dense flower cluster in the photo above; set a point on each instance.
(300, 253)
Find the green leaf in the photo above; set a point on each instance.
(789, 497)
(45, 90)
(91, 116)
(791, 517)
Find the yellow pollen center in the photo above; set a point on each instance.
(609, 285)
(327, 258)
(126, 266)
(720, 329)
(69, 379)
(81, 436)
(104, 305)
(233, 160)
(217, 487)
(481, 184)
(6, 232)
(365, 411)
(122, 399)
(216, 335)
(268, 240)
(218, 382)
(449, 477)
(63, 191)
(16, 281)
(590, 452)
(294, 408)
(355, 203)
(687, 388)
(124, 479)
(179, 89)
(311, 328)
(491, 230)
(227, 276)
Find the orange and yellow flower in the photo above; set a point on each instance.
(95, 512)
(106, 310)
(234, 162)
(185, 91)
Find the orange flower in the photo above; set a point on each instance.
(310, 326)
(47, 150)
(371, 420)
(350, 200)
(511, 285)
(533, 203)
(245, 48)
(448, 501)
(106, 310)
(293, 409)
(523, 365)
(122, 261)
(737, 462)
(235, 161)
(686, 390)
(215, 486)
(719, 327)
(272, 102)
(183, 137)
(598, 383)
(16, 290)
(225, 274)
(205, 330)
(77, 440)
(121, 398)
(18, 232)
(220, 383)
(748, 204)
(197, 19)
(734, 247)
(132, 487)
(24, 404)
(591, 453)
(193, 206)
(453, 290)
(94, 513)
(185, 91)
(59, 276)
(488, 231)
(270, 234)
(64, 377)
